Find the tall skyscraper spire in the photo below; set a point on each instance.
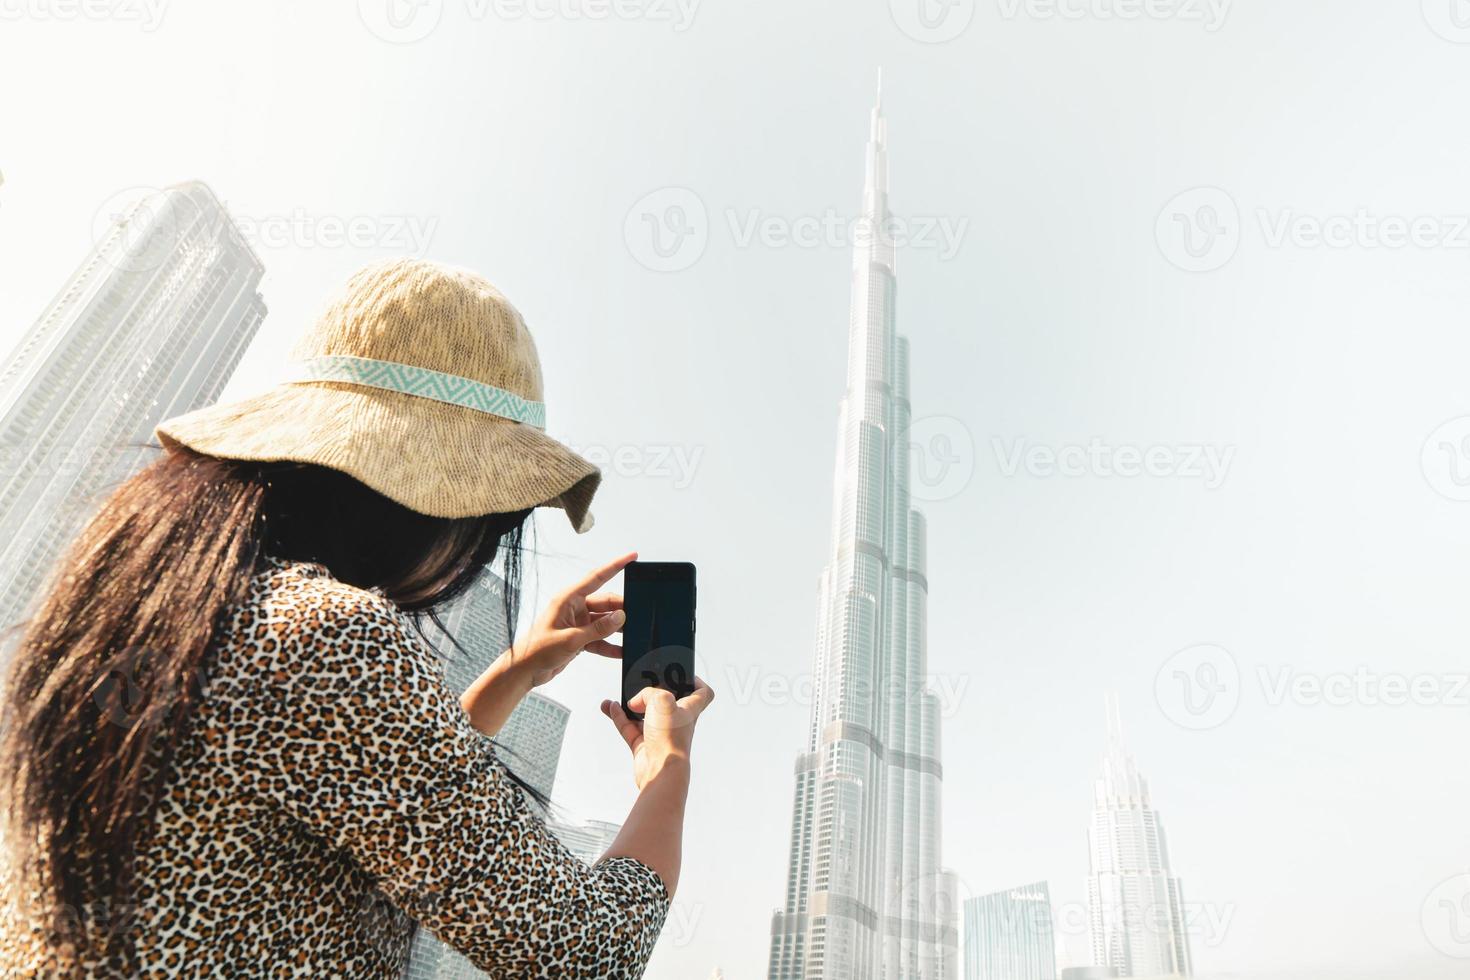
(1135, 904)
(874, 240)
(1115, 725)
(866, 897)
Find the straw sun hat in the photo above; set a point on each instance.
(421, 381)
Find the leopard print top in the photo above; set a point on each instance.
(328, 791)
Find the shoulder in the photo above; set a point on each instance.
(299, 620)
(327, 700)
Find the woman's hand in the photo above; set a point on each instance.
(579, 618)
(653, 833)
(663, 739)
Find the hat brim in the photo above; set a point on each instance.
(434, 458)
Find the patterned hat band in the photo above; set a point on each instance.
(423, 382)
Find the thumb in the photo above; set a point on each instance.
(631, 731)
(601, 627)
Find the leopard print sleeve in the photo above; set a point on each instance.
(363, 744)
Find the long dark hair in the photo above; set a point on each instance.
(108, 670)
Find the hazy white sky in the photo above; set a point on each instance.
(1291, 331)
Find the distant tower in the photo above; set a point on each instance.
(588, 840)
(866, 896)
(1009, 935)
(529, 743)
(1135, 904)
(150, 325)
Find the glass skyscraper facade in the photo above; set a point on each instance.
(151, 325)
(1009, 935)
(1135, 904)
(866, 897)
(588, 840)
(529, 743)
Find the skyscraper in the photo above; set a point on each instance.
(150, 325)
(1135, 904)
(529, 742)
(1009, 936)
(866, 897)
(587, 840)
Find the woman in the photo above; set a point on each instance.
(227, 751)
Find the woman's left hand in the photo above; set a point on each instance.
(580, 618)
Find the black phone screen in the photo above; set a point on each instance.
(658, 635)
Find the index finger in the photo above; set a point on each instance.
(597, 579)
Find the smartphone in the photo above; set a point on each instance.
(658, 634)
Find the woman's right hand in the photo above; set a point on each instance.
(664, 736)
